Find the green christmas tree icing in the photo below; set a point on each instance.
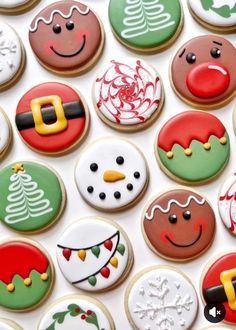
(224, 11)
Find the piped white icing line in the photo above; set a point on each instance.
(57, 11)
(173, 201)
(217, 68)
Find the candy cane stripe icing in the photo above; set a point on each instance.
(128, 93)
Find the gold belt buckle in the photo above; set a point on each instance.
(226, 278)
(40, 126)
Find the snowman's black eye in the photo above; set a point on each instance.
(187, 215)
(94, 167)
(215, 52)
(173, 218)
(70, 25)
(56, 28)
(120, 160)
(191, 58)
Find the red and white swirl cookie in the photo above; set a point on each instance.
(128, 95)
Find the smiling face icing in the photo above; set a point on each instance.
(65, 35)
(111, 174)
(203, 71)
(179, 224)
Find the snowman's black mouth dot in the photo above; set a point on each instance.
(136, 175)
(90, 189)
(117, 195)
(102, 195)
(129, 186)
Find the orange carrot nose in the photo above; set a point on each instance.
(113, 176)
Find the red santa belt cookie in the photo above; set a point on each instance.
(52, 118)
(219, 285)
(203, 71)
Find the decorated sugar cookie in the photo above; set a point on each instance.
(179, 224)
(77, 312)
(111, 174)
(94, 254)
(219, 15)
(52, 118)
(128, 94)
(218, 284)
(66, 37)
(9, 325)
(161, 298)
(227, 203)
(26, 277)
(146, 26)
(12, 56)
(203, 72)
(16, 6)
(32, 197)
(5, 133)
(193, 147)
(217, 328)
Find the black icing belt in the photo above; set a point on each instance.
(72, 110)
(216, 294)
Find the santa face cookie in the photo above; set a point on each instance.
(52, 118)
(218, 284)
(66, 37)
(111, 174)
(5, 133)
(179, 224)
(94, 254)
(9, 325)
(219, 15)
(128, 95)
(203, 72)
(146, 26)
(161, 298)
(227, 203)
(12, 56)
(77, 312)
(32, 197)
(193, 147)
(26, 277)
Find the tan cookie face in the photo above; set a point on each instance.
(179, 224)
(203, 71)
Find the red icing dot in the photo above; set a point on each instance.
(89, 312)
(198, 223)
(83, 317)
(77, 310)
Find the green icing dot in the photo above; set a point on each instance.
(201, 165)
(145, 24)
(92, 280)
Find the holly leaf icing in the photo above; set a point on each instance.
(223, 11)
(51, 327)
(92, 319)
(60, 317)
(207, 4)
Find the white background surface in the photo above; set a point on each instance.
(76, 207)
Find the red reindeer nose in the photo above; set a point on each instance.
(208, 80)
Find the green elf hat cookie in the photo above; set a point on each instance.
(192, 147)
(145, 25)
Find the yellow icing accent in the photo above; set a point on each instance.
(42, 128)
(27, 281)
(188, 152)
(170, 154)
(226, 278)
(10, 287)
(44, 276)
(81, 254)
(17, 168)
(207, 146)
(113, 176)
(223, 140)
(114, 262)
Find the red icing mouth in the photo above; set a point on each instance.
(208, 80)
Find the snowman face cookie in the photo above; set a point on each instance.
(111, 174)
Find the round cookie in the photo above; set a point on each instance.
(9, 325)
(192, 147)
(218, 284)
(12, 56)
(16, 6)
(27, 274)
(32, 197)
(217, 15)
(77, 312)
(226, 203)
(146, 26)
(94, 254)
(67, 37)
(5, 133)
(161, 297)
(179, 224)
(203, 72)
(128, 95)
(111, 174)
(52, 118)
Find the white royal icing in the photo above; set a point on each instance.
(5, 326)
(74, 322)
(166, 301)
(4, 133)
(227, 203)
(213, 15)
(145, 16)
(128, 92)
(104, 153)
(10, 53)
(83, 235)
(12, 3)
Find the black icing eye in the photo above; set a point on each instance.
(70, 25)
(187, 215)
(136, 175)
(129, 186)
(215, 52)
(102, 195)
(173, 218)
(120, 160)
(90, 189)
(191, 58)
(117, 195)
(94, 167)
(56, 28)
